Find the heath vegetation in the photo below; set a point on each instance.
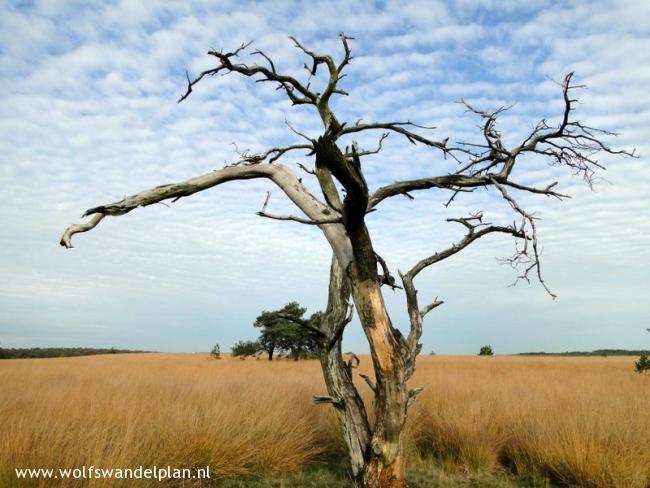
(575, 421)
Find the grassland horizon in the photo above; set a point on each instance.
(577, 421)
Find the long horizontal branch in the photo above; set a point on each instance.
(270, 155)
(450, 182)
(300, 220)
(398, 127)
(571, 144)
(456, 183)
(281, 175)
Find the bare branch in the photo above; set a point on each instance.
(266, 201)
(297, 132)
(375, 151)
(398, 127)
(348, 54)
(273, 154)
(333, 69)
(475, 230)
(491, 135)
(337, 402)
(306, 170)
(386, 278)
(571, 144)
(353, 361)
(470, 237)
(431, 306)
(296, 91)
(77, 228)
(369, 382)
(300, 220)
(453, 182)
(523, 256)
(542, 191)
(282, 176)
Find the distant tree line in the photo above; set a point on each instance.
(282, 332)
(597, 352)
(57, 352)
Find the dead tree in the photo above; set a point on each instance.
(357, 272)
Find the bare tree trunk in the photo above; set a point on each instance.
(375, 454)
(383, 452)
(349, 408)
(383, 468)
(348, 405)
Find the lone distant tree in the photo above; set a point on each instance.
(283, 331)
(486, 351)
(215, 353)
(643, 364)
(357, 271)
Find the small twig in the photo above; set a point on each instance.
(304, 136)
(353, 361)
(300, 220)
(431, 306)
(306, 170)
(337, 402)
(369, 382)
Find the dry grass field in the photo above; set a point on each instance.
(578, 421)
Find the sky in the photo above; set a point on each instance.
(89, 114)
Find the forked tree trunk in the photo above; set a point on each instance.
(348, 405)
(382, 449)
(375, 453)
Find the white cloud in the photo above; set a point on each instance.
(88, 113)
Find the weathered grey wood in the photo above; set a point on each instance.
(281, 175)
(351, 411)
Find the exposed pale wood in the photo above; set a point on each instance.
(281, 175)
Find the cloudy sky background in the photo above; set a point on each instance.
(88, 114)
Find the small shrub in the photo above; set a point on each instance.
(486, 351)
(216, 351)
(643, 364)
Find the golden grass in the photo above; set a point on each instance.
(581, 421)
